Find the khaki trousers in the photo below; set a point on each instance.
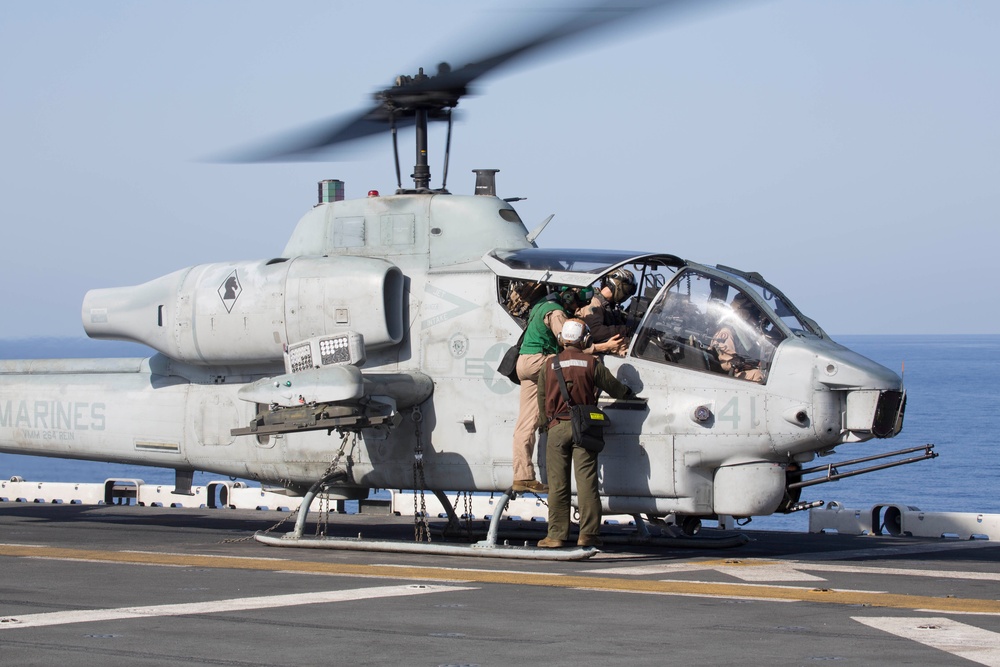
(528, 366)
(559, 453)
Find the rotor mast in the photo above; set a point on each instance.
(422, 98)
(421, 170)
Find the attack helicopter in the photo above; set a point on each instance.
(384, 319)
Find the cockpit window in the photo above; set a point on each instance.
(787, 315)
(646, 277)
(708, 324)
(778, 302)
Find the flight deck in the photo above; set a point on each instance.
(157, 585)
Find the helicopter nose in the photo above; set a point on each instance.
(840, 368)
(874, 398)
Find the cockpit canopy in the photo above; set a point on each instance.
(569, 263)
(716, 320)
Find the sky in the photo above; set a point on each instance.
(847, 150)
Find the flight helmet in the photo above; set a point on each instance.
(622, 284)
(575, 333)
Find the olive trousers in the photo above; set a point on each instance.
(560, 452)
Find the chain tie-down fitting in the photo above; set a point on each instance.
(421, 531)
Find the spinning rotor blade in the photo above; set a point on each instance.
(305, 144)
(433, 94)
(572, 21)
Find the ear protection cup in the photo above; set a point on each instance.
(571, 298)
(575, 333)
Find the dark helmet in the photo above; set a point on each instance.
(745, 307)
(622, 284)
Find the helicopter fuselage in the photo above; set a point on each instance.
(419, 279)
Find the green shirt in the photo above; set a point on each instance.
(538, 338)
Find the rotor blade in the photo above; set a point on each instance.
(308, 143)
(305, 143)
(444, 89)
(567, 24)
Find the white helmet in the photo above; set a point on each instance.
(574, 334)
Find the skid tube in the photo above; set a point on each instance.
(487, 548)
(490, 548)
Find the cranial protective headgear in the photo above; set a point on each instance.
(574, 333)
(744, 306)
(622, 284)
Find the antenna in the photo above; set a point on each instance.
(530, 238)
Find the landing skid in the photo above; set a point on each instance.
(670, 537)
(393, 546)
(489, 547)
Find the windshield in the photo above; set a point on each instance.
(790, 316)
(708, 324)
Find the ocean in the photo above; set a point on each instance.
(951, 402)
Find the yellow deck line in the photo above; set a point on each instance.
(604, 583)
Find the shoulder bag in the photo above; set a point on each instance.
(508, 364)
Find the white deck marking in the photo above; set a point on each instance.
(767, 572)
(959, 639)
(216, 606)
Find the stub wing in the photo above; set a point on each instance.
(331, 397)
(330, 384)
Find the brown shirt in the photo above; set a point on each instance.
(584, 374)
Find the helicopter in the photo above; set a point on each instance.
(384, 319)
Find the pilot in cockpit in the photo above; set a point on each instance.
(736, 341)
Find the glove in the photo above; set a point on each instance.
(631, 396)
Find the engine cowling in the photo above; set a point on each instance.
(246, 312)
